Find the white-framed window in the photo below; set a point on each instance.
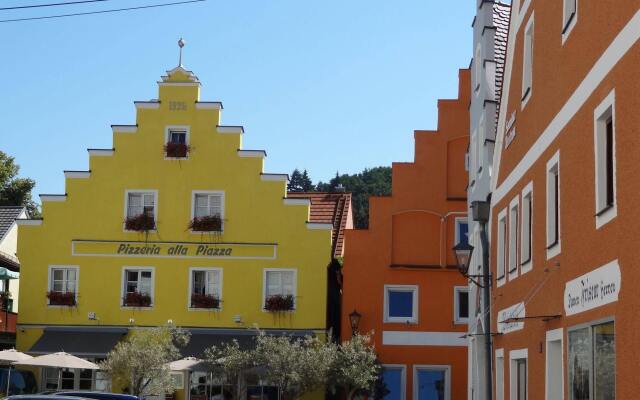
(63, 285)
(461, 304)
(207, 203)
(501, 254)
(526, 229)
(518, 374)
(527, 62)
(499, 374)
(592, 361)
(569, 17)
(462, 230)
(477, 63)
(432, 382)
(141, 202)
(482, 137)
(605, 160)
(473, 153)
(553, 205)
(401, 303)
(513, 235)
(394, 377)
(205, 288)
(176, 142)
(279, 282)
(137, 286)
(554, 369)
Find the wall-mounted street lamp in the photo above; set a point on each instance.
(463, 253)
(354, 319)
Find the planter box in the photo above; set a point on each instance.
(136, 300)
(62, 299)
(204, 301)
(279, 303)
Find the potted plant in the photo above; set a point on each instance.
(176, 150)
(136, 299)
(141, 223)
(207, 223)
(199, 300)
(4, 299)
(61, 298)
(279, 302)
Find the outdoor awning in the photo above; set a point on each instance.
(202, 339)
(8, 274)
(81, 342)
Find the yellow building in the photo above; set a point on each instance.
(176, 223)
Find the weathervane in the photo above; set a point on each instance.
(181, 45)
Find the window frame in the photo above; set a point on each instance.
(605, 211)
(499, 366)
(513, 237)
(553, 170)
(143, 192)
(124, 281)
(221, 193)
(265, 272)
(50, 281)
(526, 229)
(568, 21)
(414, 306)
(190, 289)
(555, 335)
(478, 64)
(501, 248)
(457, 319)
(403, 369)
(516, 356)
(527, 61)
(167, 132)
(458, 221)
(432, 367)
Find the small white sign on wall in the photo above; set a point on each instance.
(505, 322)
(594, 289)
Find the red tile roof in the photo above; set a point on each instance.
(330, 208)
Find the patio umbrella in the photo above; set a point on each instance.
(11, 356)
(58, 360)
(187, 364)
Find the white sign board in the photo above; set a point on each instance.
(594, 289)
(515, 311)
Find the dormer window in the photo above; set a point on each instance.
(177, 144)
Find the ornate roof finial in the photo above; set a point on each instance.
(181, 45)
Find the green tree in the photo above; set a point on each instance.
(231, 362)
(140, 362)
(355, 368)
(295, 181)
(15, 191)
(370, 182)
(307, 185)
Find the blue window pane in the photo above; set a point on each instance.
(463, 231)
(392, 378)
(431, 385)
(400, 304)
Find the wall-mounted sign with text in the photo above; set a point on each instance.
(594, 289)
(246, 251)
(510, 319)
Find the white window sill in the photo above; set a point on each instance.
(525, 98)
(205, 232)
(462, 321)
(176, 158)
(56, 306)
(405, 321)
(501, 281)
(553, 251)
(151, 307)
(131, 231)
(200, 309)
(526, 267)
(567, 29)
(604, 217)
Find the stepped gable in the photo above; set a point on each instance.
(330, 208)
(501, 14)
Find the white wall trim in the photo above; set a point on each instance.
(526, 266)
(319, 226)
(554, 162)
(512, 248)
(274, 177)
(229, 129)
(208, 105)
(124, 128)
(151, 105)
(53, 198)
(501, 248)
(28, 222)
(515, 355)
(77, 174)
(601, 111)
(554, 335)
(160, 83)
(297, 202)
(407, 338)
(101, 152)
(627, 37)
(252, 153)
(572, 23)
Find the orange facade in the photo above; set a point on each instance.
(400, 273)
(563, 246)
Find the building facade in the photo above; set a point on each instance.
(564, 190)
(176, 224)
(9, 273)
(400, 273)
(490, 28)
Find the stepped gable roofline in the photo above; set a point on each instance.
(179, 75)
(332, 208)
(8, 216)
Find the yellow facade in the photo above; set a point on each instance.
(85, 229)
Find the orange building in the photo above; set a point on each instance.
(400, 273)
(565, 195)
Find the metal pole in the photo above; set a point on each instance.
(486, 294)
(8, 380)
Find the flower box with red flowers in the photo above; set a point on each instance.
(136, 299)
(207, 223)
(62, 298)
(141, 223)
(279, 302)
(176, 150)
(204, 301)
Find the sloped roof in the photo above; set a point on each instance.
(330, 208)
(8, 215)
(501, 14)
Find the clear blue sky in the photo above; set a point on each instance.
(327, 86)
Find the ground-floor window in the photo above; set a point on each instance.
(394, 380)
(592, 362)
(432, 382)
(69, 379)
(521, 379)
(205, 386)
(518, 374)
